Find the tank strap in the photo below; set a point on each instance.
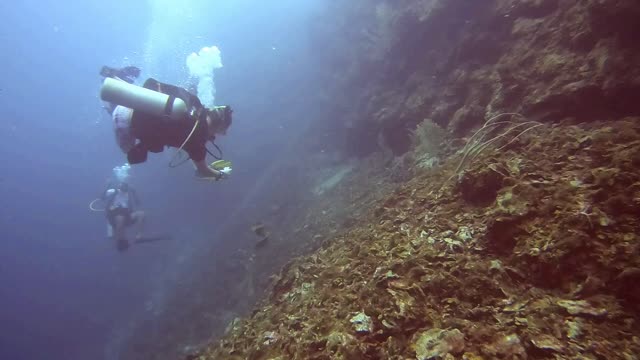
(174, 92)
(168, 107)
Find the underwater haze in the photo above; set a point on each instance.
(66, 293)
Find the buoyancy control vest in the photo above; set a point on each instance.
(145, 126)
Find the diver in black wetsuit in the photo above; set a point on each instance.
(139, 132)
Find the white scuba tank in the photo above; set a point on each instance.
(139, 98)
(120, 200)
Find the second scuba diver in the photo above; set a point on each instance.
(156, 115)
(120, 208)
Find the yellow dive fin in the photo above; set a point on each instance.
(220, 164)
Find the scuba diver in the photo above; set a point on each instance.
(148, 118)
(121, 202)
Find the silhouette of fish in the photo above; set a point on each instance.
(261, 231)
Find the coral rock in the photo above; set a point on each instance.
(436, 343)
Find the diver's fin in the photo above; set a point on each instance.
(107, 71)
(150, 239)
(122, 245)
(131, 71)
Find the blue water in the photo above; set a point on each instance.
(65, 293)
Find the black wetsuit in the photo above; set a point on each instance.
(155, 132)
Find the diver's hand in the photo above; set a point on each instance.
(226, 171)
(222, 173)
(206, 172)
(211, 175)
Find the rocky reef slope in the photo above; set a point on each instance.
(523, 242)
(459, 232)
(528, 252)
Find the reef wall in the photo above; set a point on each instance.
(458, 62)
(531, 252)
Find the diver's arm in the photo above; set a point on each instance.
(204, 171)
(109, 188)
(107, 193)
(109, 107)
(107, 196)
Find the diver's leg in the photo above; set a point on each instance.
(122, 127)
(109, 231)
(138, 218)
(119, 232)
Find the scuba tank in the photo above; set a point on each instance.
(142, 99)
